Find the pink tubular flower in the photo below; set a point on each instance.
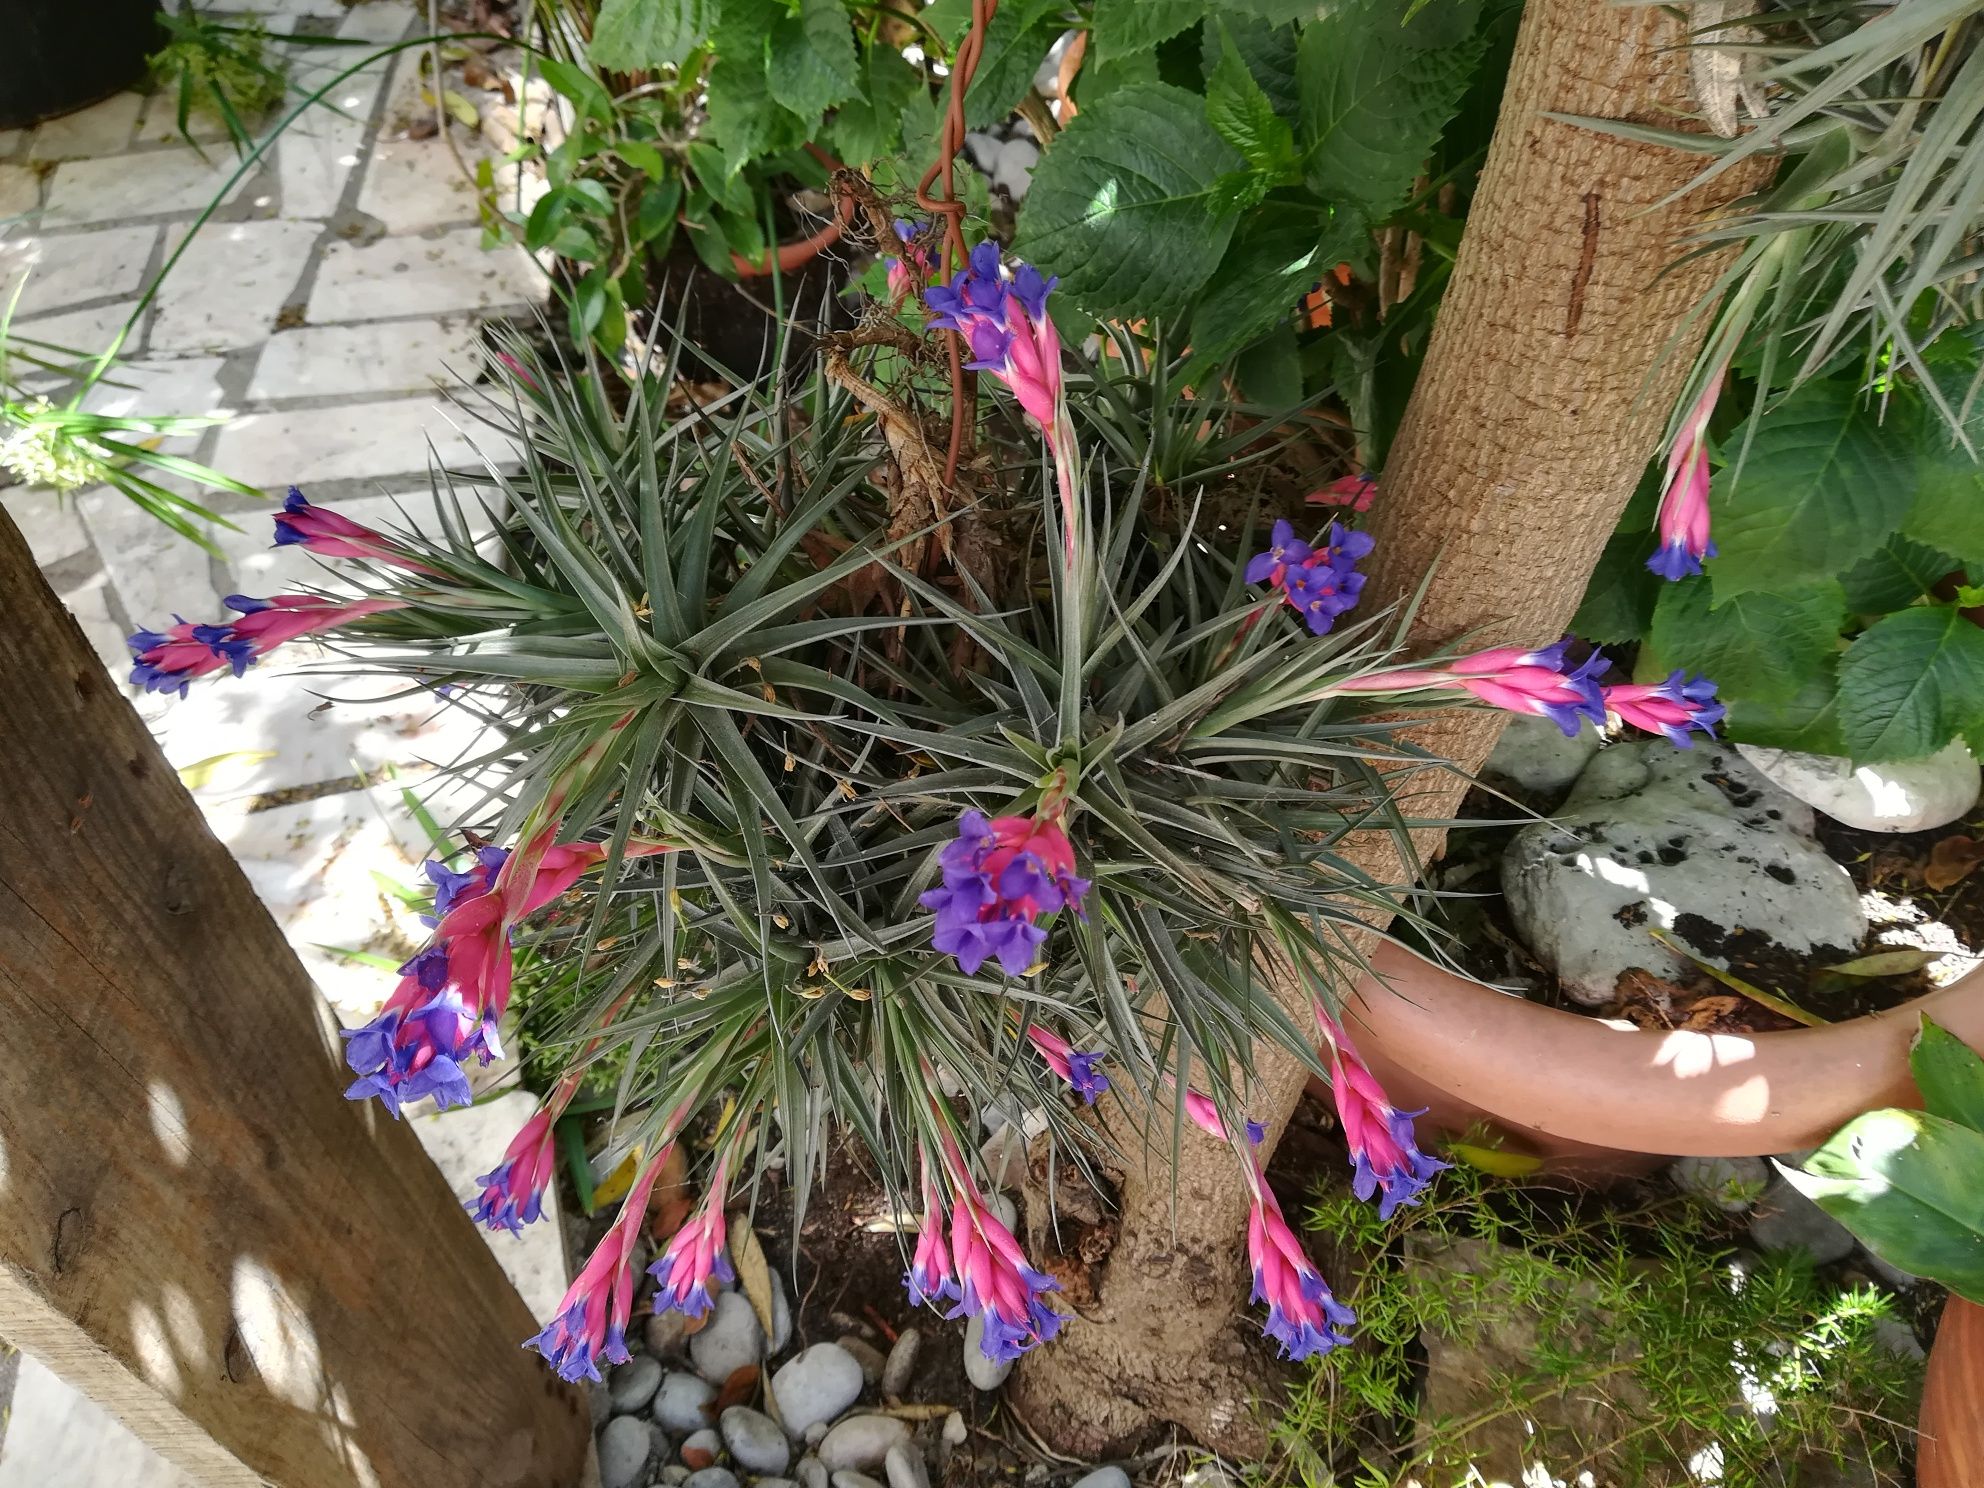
(1354, 491)
(1304, 1317)
(166, 662)
(1000, 876)
(1383, 1152)
(1672, 707)
(1071, 1064)
(592, 1318)
(324, 531)
(1205, 1115)
(1683, 520)
(513, 1191)
(989, 1275)
(930, 1278)
(1508, 677)
(915, 251)
(695, 1260)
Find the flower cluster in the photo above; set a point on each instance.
(1683, 520)
(592, 1319)
(1071, 1064)
(985, 1272)
(1672, 707)
(695, 1261)
(1205, 1115)
(513, 1191)
(1304, 1316)
(1539, 682)
(1321, 580)
(1000, 877)
(1384, 1155)
(325, 532)
(168, 661)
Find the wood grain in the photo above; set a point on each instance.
(263, 1280)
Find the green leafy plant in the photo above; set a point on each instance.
(222, 70)
(1905, 1182)
(1626, 1339)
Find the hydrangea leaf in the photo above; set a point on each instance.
(1126, 26)
(646, 35)
(1127, 206)
(1373, 102)
(1263, 276)
(813, 62)
(1015, 43)
(1267, 50)
(1245, 116)
(870, 125)
(1763, 646)
(1948, 509)
(1821, 486)
(1895, 575)
(1911, 682)
(1808, 722)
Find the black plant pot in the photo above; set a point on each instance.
(59, 55)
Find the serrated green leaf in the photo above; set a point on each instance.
(1015, 43)
(744, 118)
(1768, 647)
(869, 125)
(1268, 269)
(1820, 486)
(1948, 507)
(1244, 115)
(813, 63)
(647, 35)
(1895, 575)
(1912, 682)
(1808, 722)
(1268, 50)
(585, 91)
(1950, 1075)
(1905, 1183)
(1373, 103)
(1124, 205)
(1122, 27)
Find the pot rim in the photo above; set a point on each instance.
(1603, 1083)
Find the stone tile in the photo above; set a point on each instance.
(84, 331)
(415, 186)
(49, 522)
(10, 141)
(89, 601)
(228, 288)
(58, 1436)
(316, 154)
(117, 187)
(421, 276)
(74, 267)
(378, 357)
(377, 21)
(20, 191)
(356, 441)
(161, 122)
(157, 573)
(187, 386)
(101, 129)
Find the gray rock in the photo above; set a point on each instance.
(1105, 1477)
(861, 1442)
(955, 1430)
(1047, 76)
(1785, 1218)
(601, 1401)
(866, 1355)
(1652, 835)
(701, 1449)
(1732, 1184)
(1534, 758)
(849, 1478)
(682, 1403)
(633, 1384)
(781, 1318)
(711, 1477)
(1892, 1274)
(729, 1341)
(666, 1334)
(624, 1448)
(901, 1364)
(774, 1483)
(756, 1444)
(816, 1433)
(815, 1386)
(811, 1473)
(905, 1468)
(1897, 1338)
(1897, 796)
(1012, 172)
(981, 1371)
(983, 150)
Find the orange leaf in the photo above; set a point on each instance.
(1951, 861)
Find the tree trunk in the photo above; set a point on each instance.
(1544, 393)
(196, 1228)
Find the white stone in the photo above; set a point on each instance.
(230, 285)
(1534, 757)
(811, 1473)
(1047, 76)
(756, 1444)
(101, 129)
(901, 1366)
(711, 1477)
(1732, 1184)
(1012, 171)
(467, 1142)
(1105, 1477)
(984, 1373)
(983, 150)
(1657, 834)
(422, 276)
(155, 184)
(415, 186)
(632, 1385)
(157, 572)
(85, 332)
(1893, 796)
(399, 356)
(861, 1442)
(624, 1448)
(1785, 1219)
(702, 1447)
(729, 1341)
(866, 1355)
(49, 522)
(816, 1384)
(375, 441)
(20, 191)
(58, 1438)
(905, 1467)
(376, 21)
(74, 267)
(682, 1403)
(10, 140)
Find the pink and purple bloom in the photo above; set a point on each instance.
(994, 1281)
(1205, 1115)
(1383, 1152)
(695, 1260)
(513, 1191)
(914, 237)
(1673, 707)
(930, 1277)
(1320, 582)
(325, 532)
(1539, 682)
(1071, 1064)
(1001, 876)
(592, 1319)
(1304, 1317)
(1683, 519)
(168, 661)
(1354, 491)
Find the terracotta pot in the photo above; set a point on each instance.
(1587, 1091)
(1951, 1451)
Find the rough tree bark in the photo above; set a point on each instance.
(262, 1279)
(1543, 395)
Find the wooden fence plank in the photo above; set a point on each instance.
(260, 1278)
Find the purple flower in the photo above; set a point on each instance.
(694, 1262)
(999, 877)
(1320, 592)
(1321, 582)
(592, 1319)
(1071, 1064)
(1384, 1152)
(1285, 551)
(1303, 1316)
(1671, 708)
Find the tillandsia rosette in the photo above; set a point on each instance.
(824, 834)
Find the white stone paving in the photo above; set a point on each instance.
(338, 288)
